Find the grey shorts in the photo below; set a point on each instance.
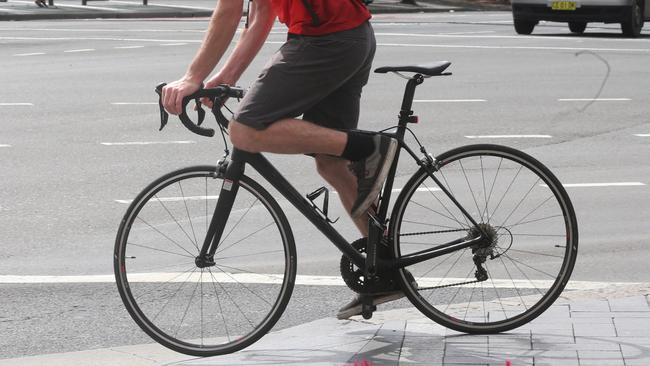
(318, 77)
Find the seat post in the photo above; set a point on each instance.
(407, 103)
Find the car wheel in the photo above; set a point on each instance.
(632, 26)
(577, 27)
(524, 26)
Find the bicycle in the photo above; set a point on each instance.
(481, 239)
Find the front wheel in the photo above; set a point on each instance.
(197, 309)
(529, 245)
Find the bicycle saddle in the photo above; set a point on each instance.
(429, 69)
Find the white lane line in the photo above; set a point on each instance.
(176, 199)
(509, 136)
(594, 100)
(127, 47)
(449, 100)
(80, 50)
(201, 198)
(16, 104)
(2, 145)
(79, 6)
(642, 134)
(533, 48)
(591, 185)
(146, 143)
(306, 280)
(134, 103)
(163, 5)
(29, 54)
(172, 44)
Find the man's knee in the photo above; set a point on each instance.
(243, 137)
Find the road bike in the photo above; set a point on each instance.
(481, 238)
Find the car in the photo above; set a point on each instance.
(631, 14)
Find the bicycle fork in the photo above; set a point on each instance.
(231, 171)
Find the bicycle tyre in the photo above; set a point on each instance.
(225, 285)
(463, 312)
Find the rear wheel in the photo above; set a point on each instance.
(632, 26)
(204, 310)
(524, 26)
(577, 27)
(517, 271)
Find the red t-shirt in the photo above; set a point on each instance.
(334, 15)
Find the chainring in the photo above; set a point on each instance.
(355, 278)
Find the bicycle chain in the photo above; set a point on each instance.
(433, 232)
(449, 285)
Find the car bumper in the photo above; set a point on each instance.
(606, 14)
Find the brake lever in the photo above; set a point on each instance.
(200, 111)
(164, 116)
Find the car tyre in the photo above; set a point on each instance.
(577, 27)
(633, 25)
(524, 26)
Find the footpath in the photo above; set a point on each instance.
(73, 9)
(609, 326)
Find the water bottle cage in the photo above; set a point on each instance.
(323, 212)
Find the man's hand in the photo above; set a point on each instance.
(174, 92)
(215, 81)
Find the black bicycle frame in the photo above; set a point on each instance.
(236, 167)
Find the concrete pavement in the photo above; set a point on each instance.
(72, 9)
(609, 327)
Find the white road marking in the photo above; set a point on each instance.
(537, 48)
(589, 185)
(81, 50)
(642, 134)
(146, 143)
(200, 198)
(595, 100)
(163, 5)
(79, 6)
(134, 103)
(305, 280)
(99, 39)
(172, 44)
(2, 145)
(16, 104)
(176, 199)
(509, 137)
(127, 47)
(29, 54)
(448, 100)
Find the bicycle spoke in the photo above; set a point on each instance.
(242, 239)
(496, 292)
(249, 255)
(189, 303)
(244, 286)
(171, 280)
(470, 187)
(524, 264)
(484, 190)
(189, 218)
(233, 302)
(531, 221)
(534, 253)
(505, 193)
(434, 211)
(514, 285)
(174, 296)
(520, 202)
(492, 188)
(159, 250)
(165, 236)
(238, 221)
(176, 221)
(223, 316)
(444, 206)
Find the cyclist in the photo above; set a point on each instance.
(317, 74)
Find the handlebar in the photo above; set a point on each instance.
(216, 95)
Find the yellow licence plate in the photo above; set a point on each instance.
(563, 5)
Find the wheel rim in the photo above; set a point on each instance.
(210, 310)
(529, 268)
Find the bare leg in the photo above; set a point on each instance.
(289, 136)
(335, 171)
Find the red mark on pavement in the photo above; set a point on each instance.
(508, 363)
(362, 363)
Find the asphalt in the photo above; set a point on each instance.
(607, 328)
(18, 10)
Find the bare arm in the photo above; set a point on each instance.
(222, 27)
(261, 19)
